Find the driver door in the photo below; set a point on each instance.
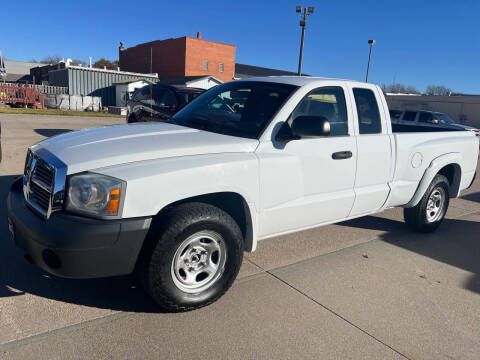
(304, 183)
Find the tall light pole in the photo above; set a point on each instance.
(303, 21)
(371, 43)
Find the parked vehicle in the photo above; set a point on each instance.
(158, 102)
(179, 202)
(428, 119)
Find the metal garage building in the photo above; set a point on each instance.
(94, 82)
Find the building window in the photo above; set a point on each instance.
(220, 67)
(205, 65)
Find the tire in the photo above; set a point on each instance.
(183, 251)
(436, 197)
(131, 119)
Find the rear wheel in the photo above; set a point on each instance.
(194, 260)
(429, 213)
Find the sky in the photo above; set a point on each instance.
(419, 43)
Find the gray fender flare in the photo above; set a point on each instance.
(435, 166)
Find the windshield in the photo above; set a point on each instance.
(444, 119)
(237, 108)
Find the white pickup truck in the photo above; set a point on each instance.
(179, 202)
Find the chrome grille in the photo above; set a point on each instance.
(44, 173)
(40, 195)
(44, 182)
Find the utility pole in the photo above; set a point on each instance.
(371, 43)
(303, 21)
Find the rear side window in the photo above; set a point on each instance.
(367, 109)
(395, 114)
(158, 94)
(409, 115)
(185, 97)
(142, 94)
(426, 117)
(328, 102)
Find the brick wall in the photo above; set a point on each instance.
(180, 57)
(168, 58)
(214, 53)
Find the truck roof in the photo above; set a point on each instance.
(296, 80)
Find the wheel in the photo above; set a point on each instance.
(132, 119)
(194, 260)
(428, 214)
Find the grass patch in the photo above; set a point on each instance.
(55, 112)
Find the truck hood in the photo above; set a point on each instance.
(119, 144)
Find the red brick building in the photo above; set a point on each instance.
(184, 56)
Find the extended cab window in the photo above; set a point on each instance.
(327, 102)
(369, 121)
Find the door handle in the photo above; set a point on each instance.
(341, 155)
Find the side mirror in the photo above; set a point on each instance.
(310, 126)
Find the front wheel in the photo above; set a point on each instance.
(429, 213)
(131, 119)
(194, 259)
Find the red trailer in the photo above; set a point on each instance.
(19, 95)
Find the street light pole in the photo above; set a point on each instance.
(371, 43)
(303, 22)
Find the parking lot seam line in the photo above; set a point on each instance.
(281, 267)
(14, 344)
(474, 212)
(338, 315)
(461, 207)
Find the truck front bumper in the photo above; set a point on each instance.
(73, 246)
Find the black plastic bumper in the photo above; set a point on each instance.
(73, 246)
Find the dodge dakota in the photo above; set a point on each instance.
(179, 202)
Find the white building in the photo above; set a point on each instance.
(201, 81)
(125, 88)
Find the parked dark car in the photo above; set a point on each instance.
(159, 102)
(428, 119)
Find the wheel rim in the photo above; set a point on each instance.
(435, 204)
(199, 261)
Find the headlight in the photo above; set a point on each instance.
(95, 194)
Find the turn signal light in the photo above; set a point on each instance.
(114, 202)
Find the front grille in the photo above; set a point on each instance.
(39, 182)
(44, 173)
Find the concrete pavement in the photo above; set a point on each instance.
(366, 288)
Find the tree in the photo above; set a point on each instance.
(399, 89)
(104, 63)
(438, 90)
(51, 59)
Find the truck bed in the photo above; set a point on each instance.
(414, 152)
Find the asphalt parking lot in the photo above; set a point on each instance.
(366, 288)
